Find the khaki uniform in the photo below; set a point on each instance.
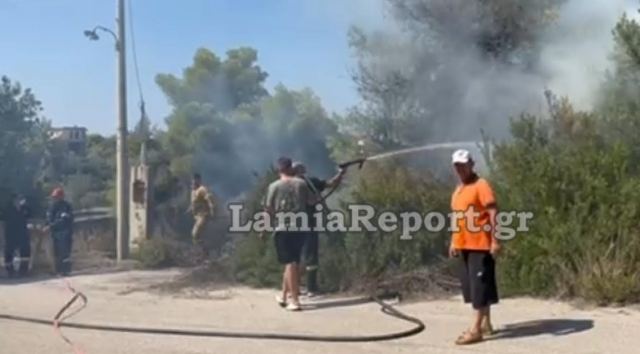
(202, 207)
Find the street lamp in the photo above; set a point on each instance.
(93, 35)
(122, 165)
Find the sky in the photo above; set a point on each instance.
(300, 43)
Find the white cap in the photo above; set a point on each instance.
(461, 156)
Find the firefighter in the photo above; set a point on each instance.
(202, 207)
(16, 233)
(310, 250)
(60, 224)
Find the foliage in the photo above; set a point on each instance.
(583, 193)
(22, 140)
(576, 173)
(226, 125)
(350, 259)
(389, 186)
(255, 261)
(153, 253)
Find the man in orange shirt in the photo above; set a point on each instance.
(474, 242)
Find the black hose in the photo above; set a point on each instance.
(386, 309)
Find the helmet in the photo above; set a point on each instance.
(57, 193)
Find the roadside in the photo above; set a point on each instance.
(144, 298)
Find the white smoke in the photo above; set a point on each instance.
(574, 56)
(575, 52)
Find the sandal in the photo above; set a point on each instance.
(487, 329)
(469, 338)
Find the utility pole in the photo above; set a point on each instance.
(122, 206)
(122, 155)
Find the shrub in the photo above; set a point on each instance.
(583, 191)
(153, 253)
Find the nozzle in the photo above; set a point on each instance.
(359, 162)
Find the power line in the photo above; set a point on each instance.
(135, 54)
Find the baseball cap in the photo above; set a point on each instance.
(461, 156)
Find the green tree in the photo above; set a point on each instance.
(225, 84)
(228, 135)
(22, 138)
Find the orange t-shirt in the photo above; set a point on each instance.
(477, 195)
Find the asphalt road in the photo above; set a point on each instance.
(140, 298)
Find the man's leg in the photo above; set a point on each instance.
(25, 254)
(198, 237)
(67, 244)
(9, 251)
(311, 260)
(281, 253)
(285, 285)
(294, 285)
(57, 252)
(479, 315)
(481, 277)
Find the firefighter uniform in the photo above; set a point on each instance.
(60, 222)
(16, 238)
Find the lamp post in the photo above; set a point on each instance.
(122, 165)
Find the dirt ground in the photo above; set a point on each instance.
(144, 298)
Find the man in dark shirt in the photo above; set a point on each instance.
(310, 250)
(16, 215)
(60, 223)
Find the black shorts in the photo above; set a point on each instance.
(289, 246)
(478, 278)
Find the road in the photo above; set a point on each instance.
(142, 298)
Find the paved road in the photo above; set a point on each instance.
(137, 298)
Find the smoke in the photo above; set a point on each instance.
(464, 78)
(575, 55)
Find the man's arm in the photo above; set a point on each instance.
(269, 206)
(488, 201)
(70, 216)
(335, 180)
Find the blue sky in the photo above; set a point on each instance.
(300, 43)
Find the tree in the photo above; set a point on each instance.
(226, 126)
(21, 139)
(223, 84)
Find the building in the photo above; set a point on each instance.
(74, 137)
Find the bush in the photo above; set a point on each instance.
(153, 253)
(584, 192)
(391, 186)
(348, 260)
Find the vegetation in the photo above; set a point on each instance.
(575, 170)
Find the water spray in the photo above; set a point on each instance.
(450, 145)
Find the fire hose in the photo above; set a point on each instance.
(60, 317)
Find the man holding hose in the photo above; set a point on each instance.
(474, 242)
(311, 245)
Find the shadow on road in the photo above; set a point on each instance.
(555, 327)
